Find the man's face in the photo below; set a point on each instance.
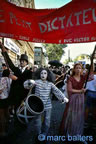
(4, 67)
(43, 75)
(23, 63)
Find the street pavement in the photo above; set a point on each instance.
(57, 113)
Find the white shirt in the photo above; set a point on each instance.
(43, 89)
(23, 69)
(91, 85)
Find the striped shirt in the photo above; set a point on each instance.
(43, 89)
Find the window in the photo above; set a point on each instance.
(37, 53)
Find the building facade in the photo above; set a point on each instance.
(40, 57)
(23, 3)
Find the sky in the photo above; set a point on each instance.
(42, 4)
(75, 49)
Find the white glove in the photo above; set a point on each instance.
(65, 100)
(29, 83)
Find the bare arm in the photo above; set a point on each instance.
(13, 77)
(71, 90)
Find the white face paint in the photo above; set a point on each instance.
(43, 75)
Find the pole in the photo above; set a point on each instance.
(69, 55)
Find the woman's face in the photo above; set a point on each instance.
(43, 75)
(78, 69)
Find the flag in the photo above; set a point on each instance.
(72, 23)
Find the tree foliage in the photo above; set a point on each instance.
(82, 56)
(54, 51)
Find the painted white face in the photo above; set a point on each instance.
(43, 75)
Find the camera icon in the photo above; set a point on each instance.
(41, 137)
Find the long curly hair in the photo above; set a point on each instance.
(49, 76)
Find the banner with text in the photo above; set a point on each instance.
(72, 23)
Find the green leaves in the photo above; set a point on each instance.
(54, 51)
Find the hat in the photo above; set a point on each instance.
(24, 57)
(3, 64)
(6, 73)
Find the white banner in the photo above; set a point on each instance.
(8, 43)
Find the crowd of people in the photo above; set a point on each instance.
(66, 83)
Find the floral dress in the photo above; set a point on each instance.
(4, 114)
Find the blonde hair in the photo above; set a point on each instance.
(73, 72)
